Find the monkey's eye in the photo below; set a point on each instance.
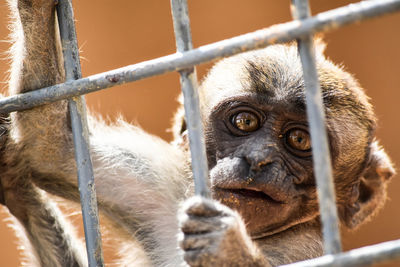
(299, 140)
(246, 121)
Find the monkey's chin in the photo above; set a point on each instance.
(262, 214)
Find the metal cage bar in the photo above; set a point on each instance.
(365, 256)
(77, 109)
(280, 33)
(189, 86)
(319, 138)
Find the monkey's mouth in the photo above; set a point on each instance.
(265, 212)
(249, 193)
(245, 193)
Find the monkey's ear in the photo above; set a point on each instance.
(319, 44)
(179, 122)
(179, 129)
(371, 193)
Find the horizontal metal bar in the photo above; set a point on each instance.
(365, 256)
(80, 133)
(281, 33)
(319, 138)
(188, 77)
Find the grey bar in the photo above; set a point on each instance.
(365, 256)
(280, 33)
(191, 99)
(319, 137)
(80, 134)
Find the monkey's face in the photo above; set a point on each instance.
(258, 142)
(263, 164)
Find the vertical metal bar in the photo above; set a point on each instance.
(319, 139)
(191, 99)
(80, 133)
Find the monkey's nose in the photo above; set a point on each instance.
(258, 159)
(257, 164)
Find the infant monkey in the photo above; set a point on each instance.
(264, 210)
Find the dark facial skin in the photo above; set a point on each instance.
(263, 164)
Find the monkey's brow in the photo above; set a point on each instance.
(297, 103)
(293, 101)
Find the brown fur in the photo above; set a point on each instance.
(141, 180)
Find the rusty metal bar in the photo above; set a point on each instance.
(281, 33)
(365, 256)
(77, 108)
(189, 86)
(319, 137)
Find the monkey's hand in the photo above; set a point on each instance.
(214, 235)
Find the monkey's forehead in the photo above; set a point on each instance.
(276, 73)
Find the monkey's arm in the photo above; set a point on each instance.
(214, 235)
(43, 134)
(139, 178)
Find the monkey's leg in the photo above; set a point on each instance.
(50, 241)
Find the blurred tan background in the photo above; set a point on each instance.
(115, 33)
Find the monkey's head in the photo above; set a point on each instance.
(259, 148)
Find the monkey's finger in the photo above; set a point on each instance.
(195, 242)
(199, 206)
(194, 258)
(196, 225)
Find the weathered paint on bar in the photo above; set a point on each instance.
(319, 137)
(191, 99)
(365, 256)
(77, 108)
